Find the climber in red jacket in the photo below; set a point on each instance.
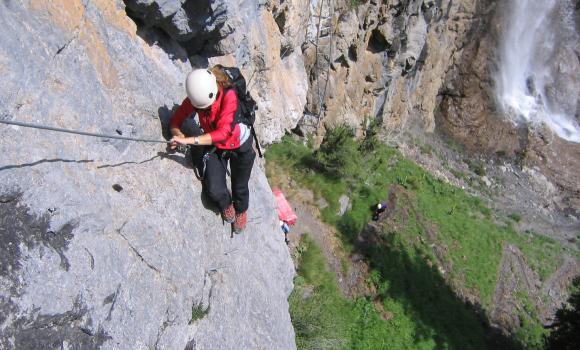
(209, 95)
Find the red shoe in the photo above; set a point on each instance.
(240, 222)
(229, 214)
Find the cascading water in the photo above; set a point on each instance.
(539, 74)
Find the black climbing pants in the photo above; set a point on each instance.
(215, 183)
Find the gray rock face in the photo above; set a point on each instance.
(263, 38)
(84, 266)
(384, 61)
(196, 24)
(344, 202)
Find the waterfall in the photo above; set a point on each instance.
(538, 80)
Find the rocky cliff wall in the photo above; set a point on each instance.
(423, 65)
(388, 60)
(469, 113)
(263, 38)
(148, 265)
(324, 61)
(104, 257)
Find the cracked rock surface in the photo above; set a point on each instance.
(84, 265)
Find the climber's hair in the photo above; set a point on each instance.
(221, 77)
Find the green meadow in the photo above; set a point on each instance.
(436, 243)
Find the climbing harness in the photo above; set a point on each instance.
(205, 158)
(200, 174)
(78, 132)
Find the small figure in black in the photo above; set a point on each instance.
(285, 228)
(381, 207)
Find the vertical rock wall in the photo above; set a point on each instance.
(85, 266)
(388, 60)
(469, 114)
(263, 38)
(418, 65)
(148, 265)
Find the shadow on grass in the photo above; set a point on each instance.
(405, 276)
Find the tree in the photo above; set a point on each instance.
(338, 154)
(566, 328)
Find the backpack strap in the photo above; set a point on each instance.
(257, 142)
(233, 74)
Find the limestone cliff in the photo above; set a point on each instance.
(107, 244)
(263, 38)
(420, 66)
(148, 265)
(428, 67)
(386, 60)
(470, 113)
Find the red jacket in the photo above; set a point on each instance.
(217, 121)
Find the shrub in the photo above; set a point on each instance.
(371, 140)
(338, 154)
(566, 331)
(515, 217)
(426, 149)
(476, 166)
(198, 312)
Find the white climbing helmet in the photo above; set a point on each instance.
(379, 206)
(201, 87)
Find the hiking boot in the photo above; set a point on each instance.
(240, 222)
(229, 214)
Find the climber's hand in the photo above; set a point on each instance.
(177, 140)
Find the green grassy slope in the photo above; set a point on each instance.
(436, 236)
